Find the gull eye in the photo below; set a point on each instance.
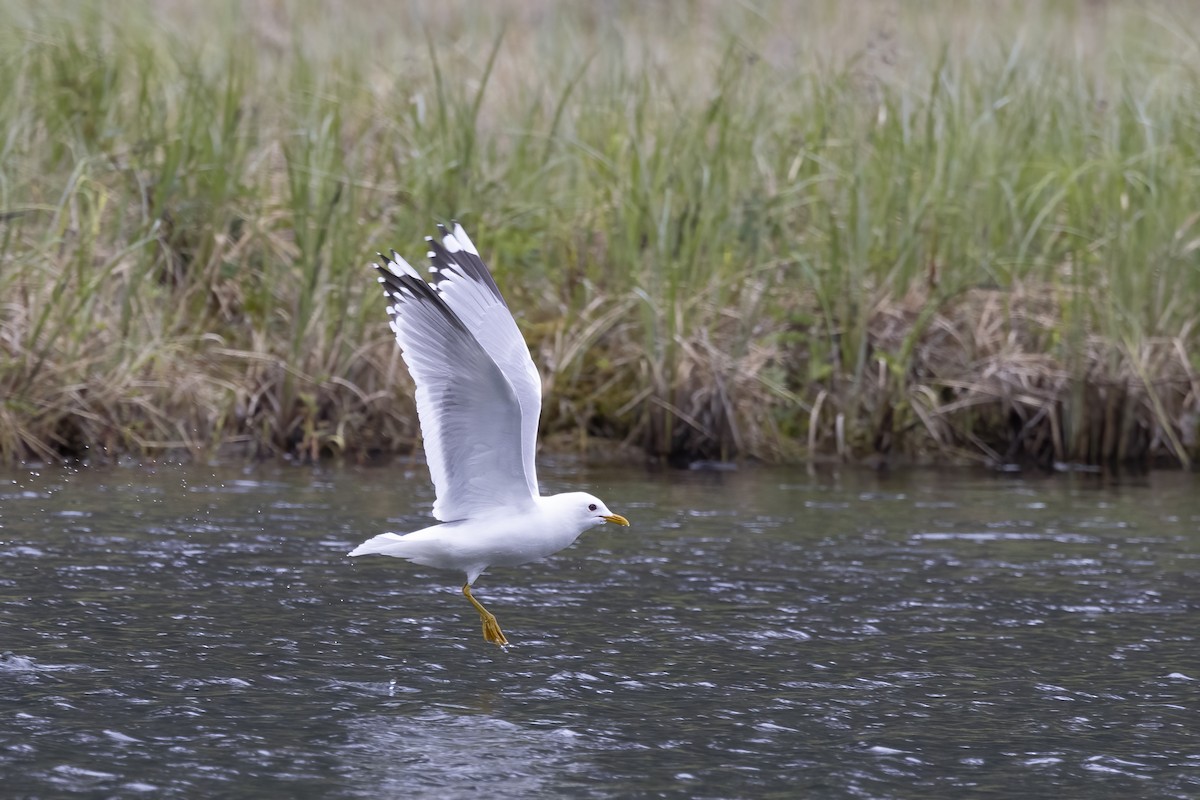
(591, 507)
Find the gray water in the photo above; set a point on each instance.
(191, 632)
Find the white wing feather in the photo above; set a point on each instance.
(472, 416)
(466, 284)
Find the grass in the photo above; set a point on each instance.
(939, 231)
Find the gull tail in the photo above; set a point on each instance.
(385, 544)
(423, 547)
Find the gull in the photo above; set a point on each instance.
(479, 398)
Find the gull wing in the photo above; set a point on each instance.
(471, 418)
(466, 284)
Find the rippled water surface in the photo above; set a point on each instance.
(173, 632)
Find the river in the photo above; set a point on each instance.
(170, 631)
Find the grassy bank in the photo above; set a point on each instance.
(943, 230)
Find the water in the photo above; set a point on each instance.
(172, 632)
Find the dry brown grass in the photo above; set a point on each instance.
(989, 380)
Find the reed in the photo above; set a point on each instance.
(942, 231)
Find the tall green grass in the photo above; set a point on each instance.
(768, 230)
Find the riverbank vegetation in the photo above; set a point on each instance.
(940, 231)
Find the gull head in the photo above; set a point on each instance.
(582, 510)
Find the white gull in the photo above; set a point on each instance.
(479, 397)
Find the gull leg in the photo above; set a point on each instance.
(491, 629)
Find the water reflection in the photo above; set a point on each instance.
(429, 753)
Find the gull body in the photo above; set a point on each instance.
(479, 397)
(503, 539)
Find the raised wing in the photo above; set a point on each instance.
(471, 418)
(464, 282)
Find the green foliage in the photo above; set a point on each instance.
(725, 231)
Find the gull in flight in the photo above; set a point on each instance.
(479, 397)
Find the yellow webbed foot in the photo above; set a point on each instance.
(491, 630)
